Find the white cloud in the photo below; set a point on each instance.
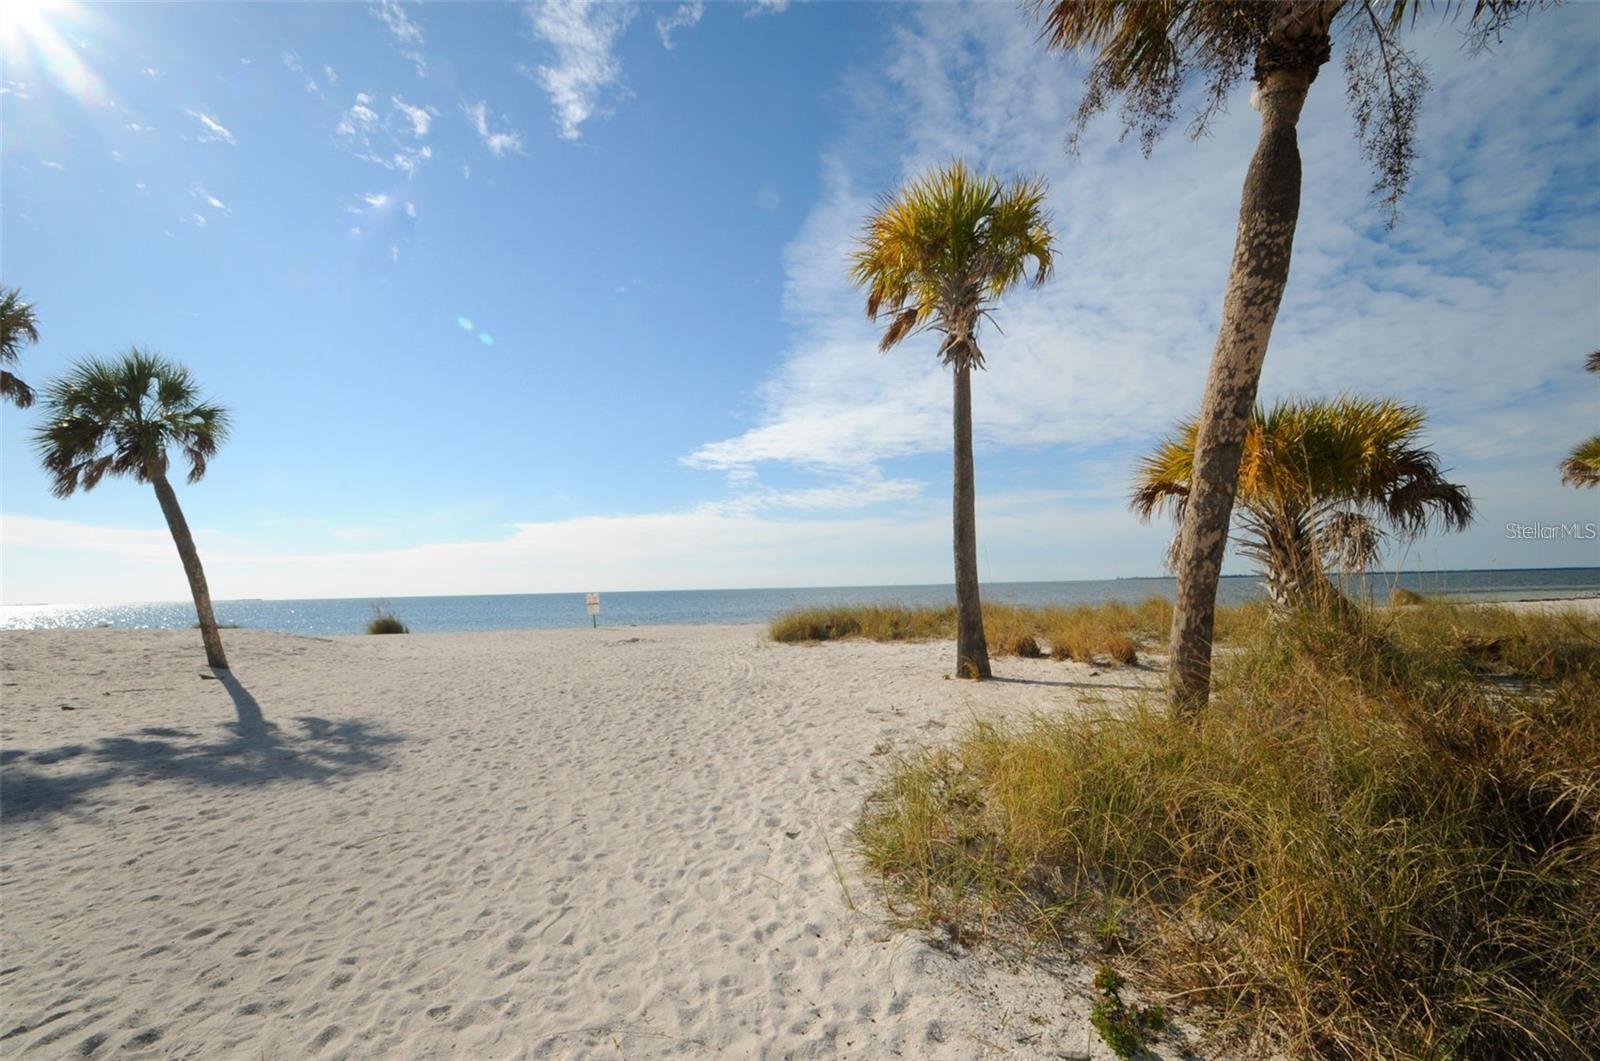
(1490, 261)
(420, 117)
(330, 75)
(683, 16)
(388, 141)
(376, 200)
(711, 546)
(498, 143)
(404, 34)
(48, 164)
(766, 7)
(583, 37)
(199, 192)
(291, 62)
(214, 129)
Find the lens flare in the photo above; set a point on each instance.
(465, 322)
(485, 338)
(36, 48)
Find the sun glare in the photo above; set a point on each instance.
(23, 18)
(35, 47)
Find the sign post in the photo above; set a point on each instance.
(593, 601)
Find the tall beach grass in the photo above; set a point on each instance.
(1099, 633)
(1379, 841)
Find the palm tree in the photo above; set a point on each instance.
(120, 417)
(17, 326)
(939, 255)
(1144, 52)
(1321, 484)
(1582, 466)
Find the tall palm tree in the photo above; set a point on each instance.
(17, 326)
(120, 417)
(1321, 485)
(1582, 466)
(1144, 52)
(938, 255)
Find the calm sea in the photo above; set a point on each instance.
(521, 611)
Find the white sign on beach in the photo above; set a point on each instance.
(593, 601)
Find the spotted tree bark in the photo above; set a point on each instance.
(1269, 208)
(972, 648)
(209, 634)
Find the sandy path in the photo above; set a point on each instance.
(546, 844)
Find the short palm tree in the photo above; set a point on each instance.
(1582, 466)
(1144, 53)
(1321, 485)
(938, 255)
(121, 417)
(17, 326)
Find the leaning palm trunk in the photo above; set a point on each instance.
(191, 567)
(972, 648)
(1268, 212)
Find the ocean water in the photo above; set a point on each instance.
(522, 611)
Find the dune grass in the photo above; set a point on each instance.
(1377, 842)
(385, 621)
(1099, 633)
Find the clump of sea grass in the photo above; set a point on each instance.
(385, 621)
(1401, 597)
(1364, 847)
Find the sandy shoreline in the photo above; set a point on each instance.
(613, 843)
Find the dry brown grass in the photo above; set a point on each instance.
(1364, 848)
(1101, 633)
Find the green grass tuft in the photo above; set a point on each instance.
(385, 621)
(1381, 840)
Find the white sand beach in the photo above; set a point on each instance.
(612, 843)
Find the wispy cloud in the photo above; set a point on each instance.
(392, 141)
(766, 7)
(583, 37)
(198, 191)
(405, 34)
(1114, 349)
(682, 17)
(291, 62)
(499, 143)
(214, 130)
(420, 117)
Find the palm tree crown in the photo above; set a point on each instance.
(1582, 466)
(1320, 482)
(945, 248)
(1146, 51)
(17, 326)
(120, 417)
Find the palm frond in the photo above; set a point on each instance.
(120, 417)
(1582, 466)
(18, 326)
(939, 253)
(1342, 474)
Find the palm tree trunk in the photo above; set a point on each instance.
(1268, 211)
(191, 567)
(972, 648)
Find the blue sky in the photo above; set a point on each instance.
(547, 298)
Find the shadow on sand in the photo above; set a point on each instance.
(251, 751)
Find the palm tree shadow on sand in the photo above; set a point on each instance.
(252, 752)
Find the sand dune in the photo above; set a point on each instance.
(553, 844)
